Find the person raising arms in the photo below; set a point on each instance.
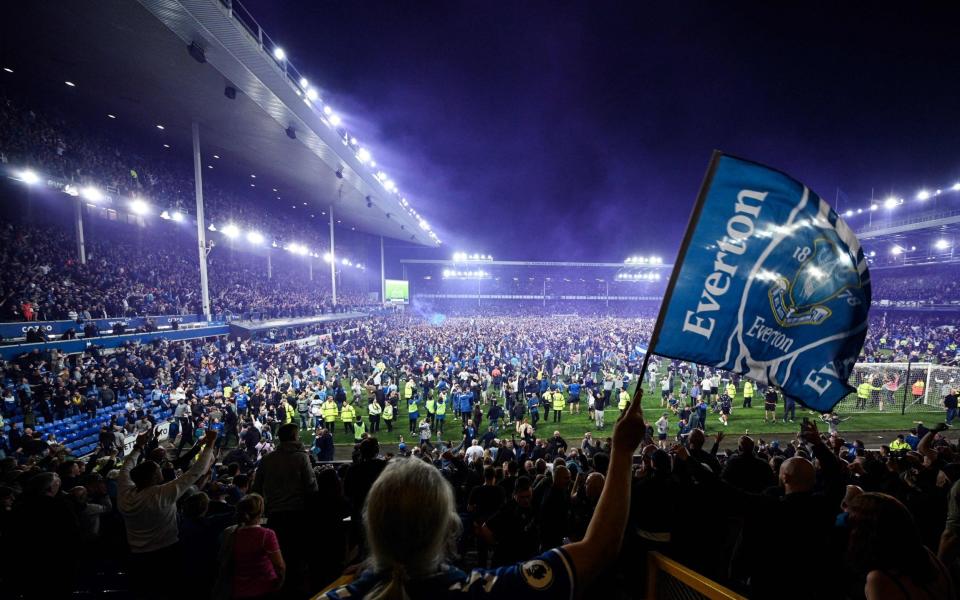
(411, 525)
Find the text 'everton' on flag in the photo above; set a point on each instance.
(769, 283)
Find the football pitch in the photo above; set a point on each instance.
(573, 426)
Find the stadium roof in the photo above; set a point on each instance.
(130, 59)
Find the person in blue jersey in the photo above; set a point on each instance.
(574, 397)
(411, 525)
(533, 406)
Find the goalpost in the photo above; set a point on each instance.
(917, 386)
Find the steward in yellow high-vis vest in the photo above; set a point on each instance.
(329, 411)
(624, 400)
(388, 416)
(348, 414)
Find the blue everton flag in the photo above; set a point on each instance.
(769, 283)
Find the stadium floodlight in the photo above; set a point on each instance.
(363, 155)
(138, 206)
(70, 84)
(165, 215)
(923, 195)
(231, 230)
(873, 253)
(346, 261)
(29, 177)
(327, 257)
(212, 227)
(312, 95)
(71, 190)
(874, 207)
(177, 216)
(327, 110)
(424, 225)
(304, 83)
(160, 127)
(956, 187)
(255, 237)
(92, 194)
(892, 202)
(942, 244)
(849, 213)
(896, 251)
(279, 54)
(335, 119)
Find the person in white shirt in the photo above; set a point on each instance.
(149, 509)
(663, 425)
(706, 387)
(474, 452)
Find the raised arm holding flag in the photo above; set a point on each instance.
(769, 283)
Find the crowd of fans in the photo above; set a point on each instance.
(482, 494)
(918, 285)
(484, 484)
(134, 271)
(40, 136)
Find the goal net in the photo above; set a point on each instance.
(920, 387)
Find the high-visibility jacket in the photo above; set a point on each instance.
(441, 408)
(731, 390)
(431, 405)
(412, 409)
(917, 388)
(864, 389)
(348, 413)
(329, 410)
(359, 428)
(373, 409)
(558, 401)
(408, 390)
(624, 399)
(897, 445)
(388, 412)
(747, 389)
(547, 398)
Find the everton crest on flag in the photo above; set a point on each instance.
(769, 283)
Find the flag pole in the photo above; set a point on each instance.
(681, 255)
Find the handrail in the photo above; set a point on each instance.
(930, 215)
(658, 563)
(236, 10)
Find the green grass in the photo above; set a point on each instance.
(573, 426)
